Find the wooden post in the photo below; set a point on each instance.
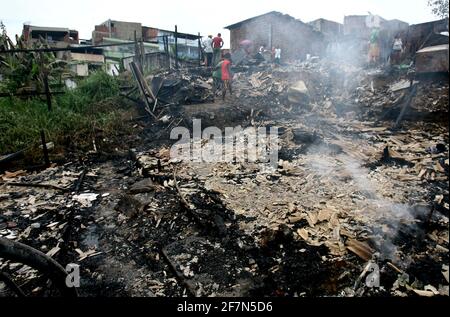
(411, 92)
(199, 50)
(169, 59)
(137, 55)
(47, 93)
(45, 79)
(176, 46)
(144, 89)
(142, 55)
(44, 148)
(136, 51)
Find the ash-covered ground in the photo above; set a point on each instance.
(353, 189)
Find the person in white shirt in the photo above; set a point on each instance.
(208, 49)
(278, 55)
(397, 50)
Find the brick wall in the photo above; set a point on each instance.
(119, 30)
(356, 26)
(329, 28)
(149, 33)
(125, 30)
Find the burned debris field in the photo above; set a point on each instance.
(354, 204)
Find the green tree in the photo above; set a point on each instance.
(26, 70)
(439, 8)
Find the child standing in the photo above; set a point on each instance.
(217, 78)
(226, 75)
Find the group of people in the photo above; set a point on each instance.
(221, 65)
(275, 53)
(212, 48)
(393, 49)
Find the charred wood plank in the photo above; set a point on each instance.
(142, 87)
(19, 252)
(38, 185)
(80, 181)
(6, 278)
(190, 287)
(44, 149)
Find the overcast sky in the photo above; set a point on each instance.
(204, 16)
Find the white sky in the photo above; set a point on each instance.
(204, 16)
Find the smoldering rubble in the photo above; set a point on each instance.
(356, 191)
(346, 192)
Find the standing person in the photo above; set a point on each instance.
(226, 75)
(207, 47)
(262, 49)
(217, 44)
(397, 49)
(246, 45)
(260, 55)
(374, 47)
(217, 78)
(278, 55)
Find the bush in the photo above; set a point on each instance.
(95, 88)
(21, 121)
(93, 105)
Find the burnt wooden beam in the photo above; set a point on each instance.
(7, 279)
(176, 46)
(48, 95)
(406, 104)
(145, 90)
(190, 287)
(22, 253)
(44, 149)
(80, 181)
(38, 185)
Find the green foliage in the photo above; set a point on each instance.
(94, 105)
(98, 86)
(26, 70)
(77, 115)
(439, 8)
(21, 121)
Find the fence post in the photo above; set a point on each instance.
(199, 50)
(44, 149)
(166, 48)
(176, 46)
(137, 55)
(142, 55)
(45, 79)
(47, 92)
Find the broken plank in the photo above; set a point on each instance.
(39, 185)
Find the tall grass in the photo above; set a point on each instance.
(93, 105)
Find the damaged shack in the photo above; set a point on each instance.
(295, 38)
